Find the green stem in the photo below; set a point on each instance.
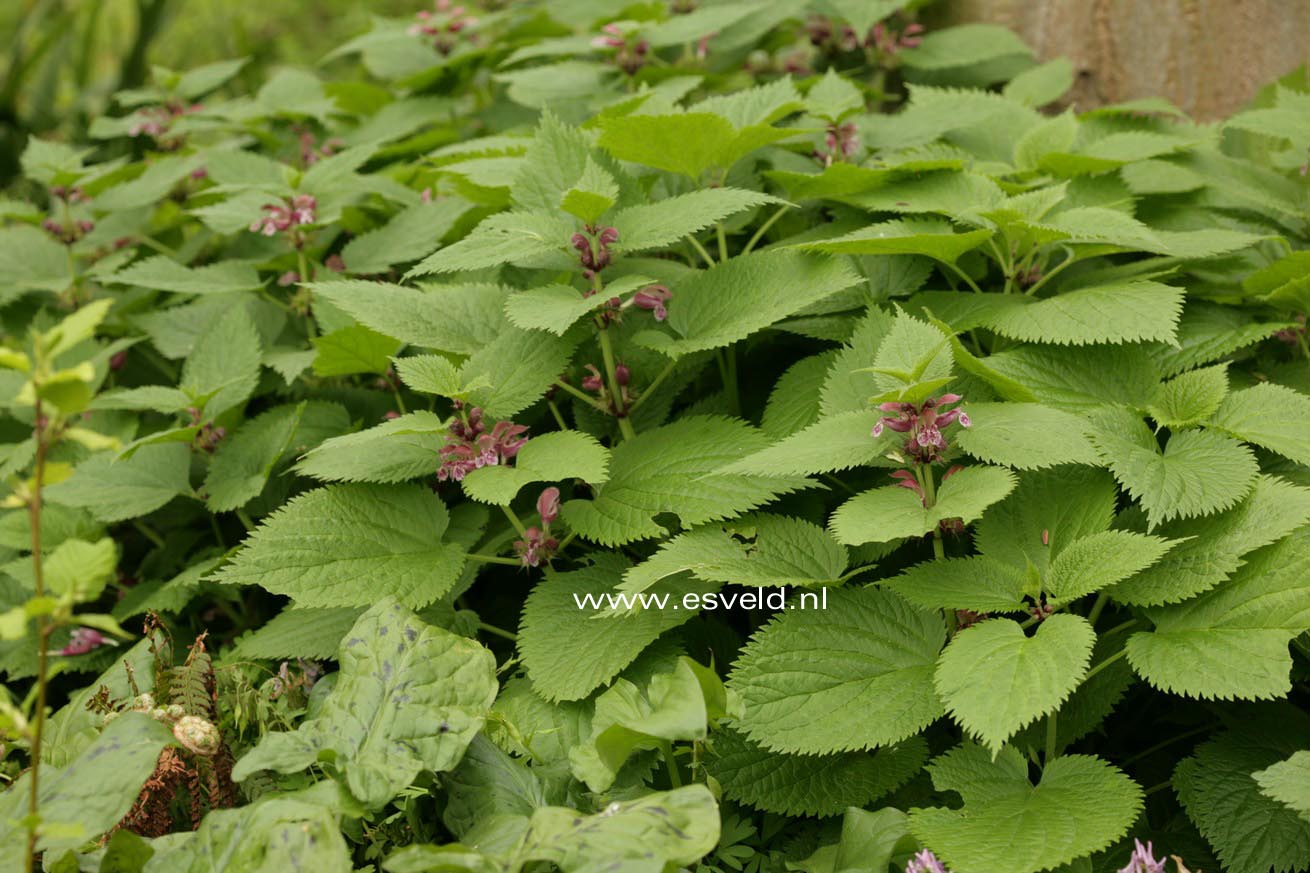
(670, 764)
(1052, 274)
(494, 559)
(43, 629)
(1095, 613)
(499, 632)
(607, 354)
(709, 261)
(1052, 738)
(148, 532)
(723, 242)
(514, 520)
(650, 389)
(730, 385)
(963, 275)
(585, 398)
(245, 520)
(778, 213)
(1185, 735)
(1107, 662)
(554, 411)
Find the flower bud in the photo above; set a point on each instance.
(548, 505)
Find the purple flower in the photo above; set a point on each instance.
(925, 862)
(923, 424)
(470, 446)
(443, 25)
(83, 640)
(653, 298)
(288, 215)
(1143, 860)
(536, 548)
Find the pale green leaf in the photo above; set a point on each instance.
(892, 512)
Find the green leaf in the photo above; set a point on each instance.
(352, 350)
(676, 469)
(1189, 398)
(659, 224)
(155, 398)
(912, 363)
(1288, 782)
(838, 442)
(1250, 831)
(119, 490)
(161, 273)
(1007, 823)
(1272, 416)
(1098, 561)
(117, 763)
(409, 236)
(1199, 472)
(1231, 641)
(832, 98)
(760, 550)
(592, 196)
(892, 512)
(557, 308)
(243, 464)
(933, 238)
(567, 649)
(822, 785)
(994, 680)
(515, 370)
(734, 299)
(978, 583)
(1027, 436)
(964, 45)
(1208, 549)
(851, 677)
(224, 365)
(410, 697)
(689, 143)
(554, 163)
(1079, 378)
(1042, 84)
(403, 448)
(460, 319)
(317, 547)
(558, 456)
(503, 238)
(80, 569)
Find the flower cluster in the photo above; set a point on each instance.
(208, 436)
(841, 143)
(538, 546)
(594, 258)
(883, 39)
(288, 216)
(443, 25)
(155, 121)
(629, 54)
(311, 151)
(1143, 860)
(595, 383)
(653, 298)
(469, 445)
(923, 425)
(925, 862)
(68, 232)
(83, 640)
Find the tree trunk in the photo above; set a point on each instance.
(1208, 57)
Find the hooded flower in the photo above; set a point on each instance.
(83, 640)
(537, 545)
(291, 213)
(470, 445)
(925, 862)
(922, 425)
(1143, 860)
(653, 298)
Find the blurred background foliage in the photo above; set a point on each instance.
(64, 59)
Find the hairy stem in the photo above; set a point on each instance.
(607, 353)
(43, 627)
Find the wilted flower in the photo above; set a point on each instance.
(653, 298)
(288, 215)
(1143, 860)
(923, 425)
(83, 640)
(469, 445)
(925, 862)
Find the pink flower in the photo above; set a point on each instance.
(925, 862)
(536, 548)
(443, 25)
(289, 215)
(548, 506)
(597, 258)
(653, 298)
(1143, 860)
(83, 640)
(470, 446)
(923, 424)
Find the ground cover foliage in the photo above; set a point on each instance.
(324, 403)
